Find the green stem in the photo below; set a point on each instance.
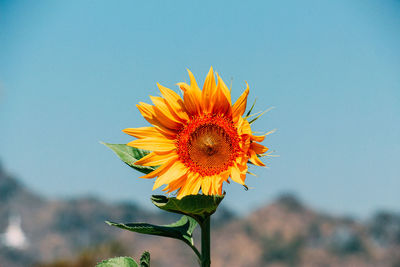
(205, 243)
(195, 251)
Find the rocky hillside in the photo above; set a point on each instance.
(282, 233)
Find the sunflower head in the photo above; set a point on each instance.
(200, 141)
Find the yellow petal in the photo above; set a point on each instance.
(156, 158)
(225, 90)
(255, 160)
(243, 126)
(165, 118)
(185, 190)
(191, 98)
(166, 110)
(257, 138)
(240, 105)
(174, 185)
(221, 103)
(223, 177)
(209, 89)
(145, 132)
(241, 164)
(176, 171)
(258, 148)
(215, 184)
(193, 82)
(219, 190)
(236, 175)
(149, 114)
(205, 185)
(195, 187)
(174, 101)
(163, 168)
(153, 144)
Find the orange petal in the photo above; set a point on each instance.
(257, 138)
(255, 160)
(206, 185)
(145, 132)
(195, 187)
(236, 175)
(165, 118)
(176, 171)
(160, 170)
(174, 185)
(241, 164)
(240, 105)
(156, 158)
(209, 89)
(225, 90)
(191, 98)
(149, 114)
(258, 148)
(219, 183)
(220, 190)
(191, 95)
(153, 144)
(223, 177)
(193, 82)
(216, 182)
(174, 101)
(185, 190)
(222, 101)
(243, 126)
(166, 110)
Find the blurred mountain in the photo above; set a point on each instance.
(57, 228)
(60, 233)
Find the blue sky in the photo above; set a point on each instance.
(72, 72)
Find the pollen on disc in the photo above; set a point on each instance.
(210, 147)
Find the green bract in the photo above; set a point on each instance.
(145, 259)
(195, 206)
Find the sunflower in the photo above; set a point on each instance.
(198, 142)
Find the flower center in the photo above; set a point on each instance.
(208, 145)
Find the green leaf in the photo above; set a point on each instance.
(182, 229)
(195, 206)
(262, 113)
(118, 262)
(251, 109)
(130, 155)
(145, 259)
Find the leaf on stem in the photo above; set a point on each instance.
(130, 155)
(118, 262)
(182, 229)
